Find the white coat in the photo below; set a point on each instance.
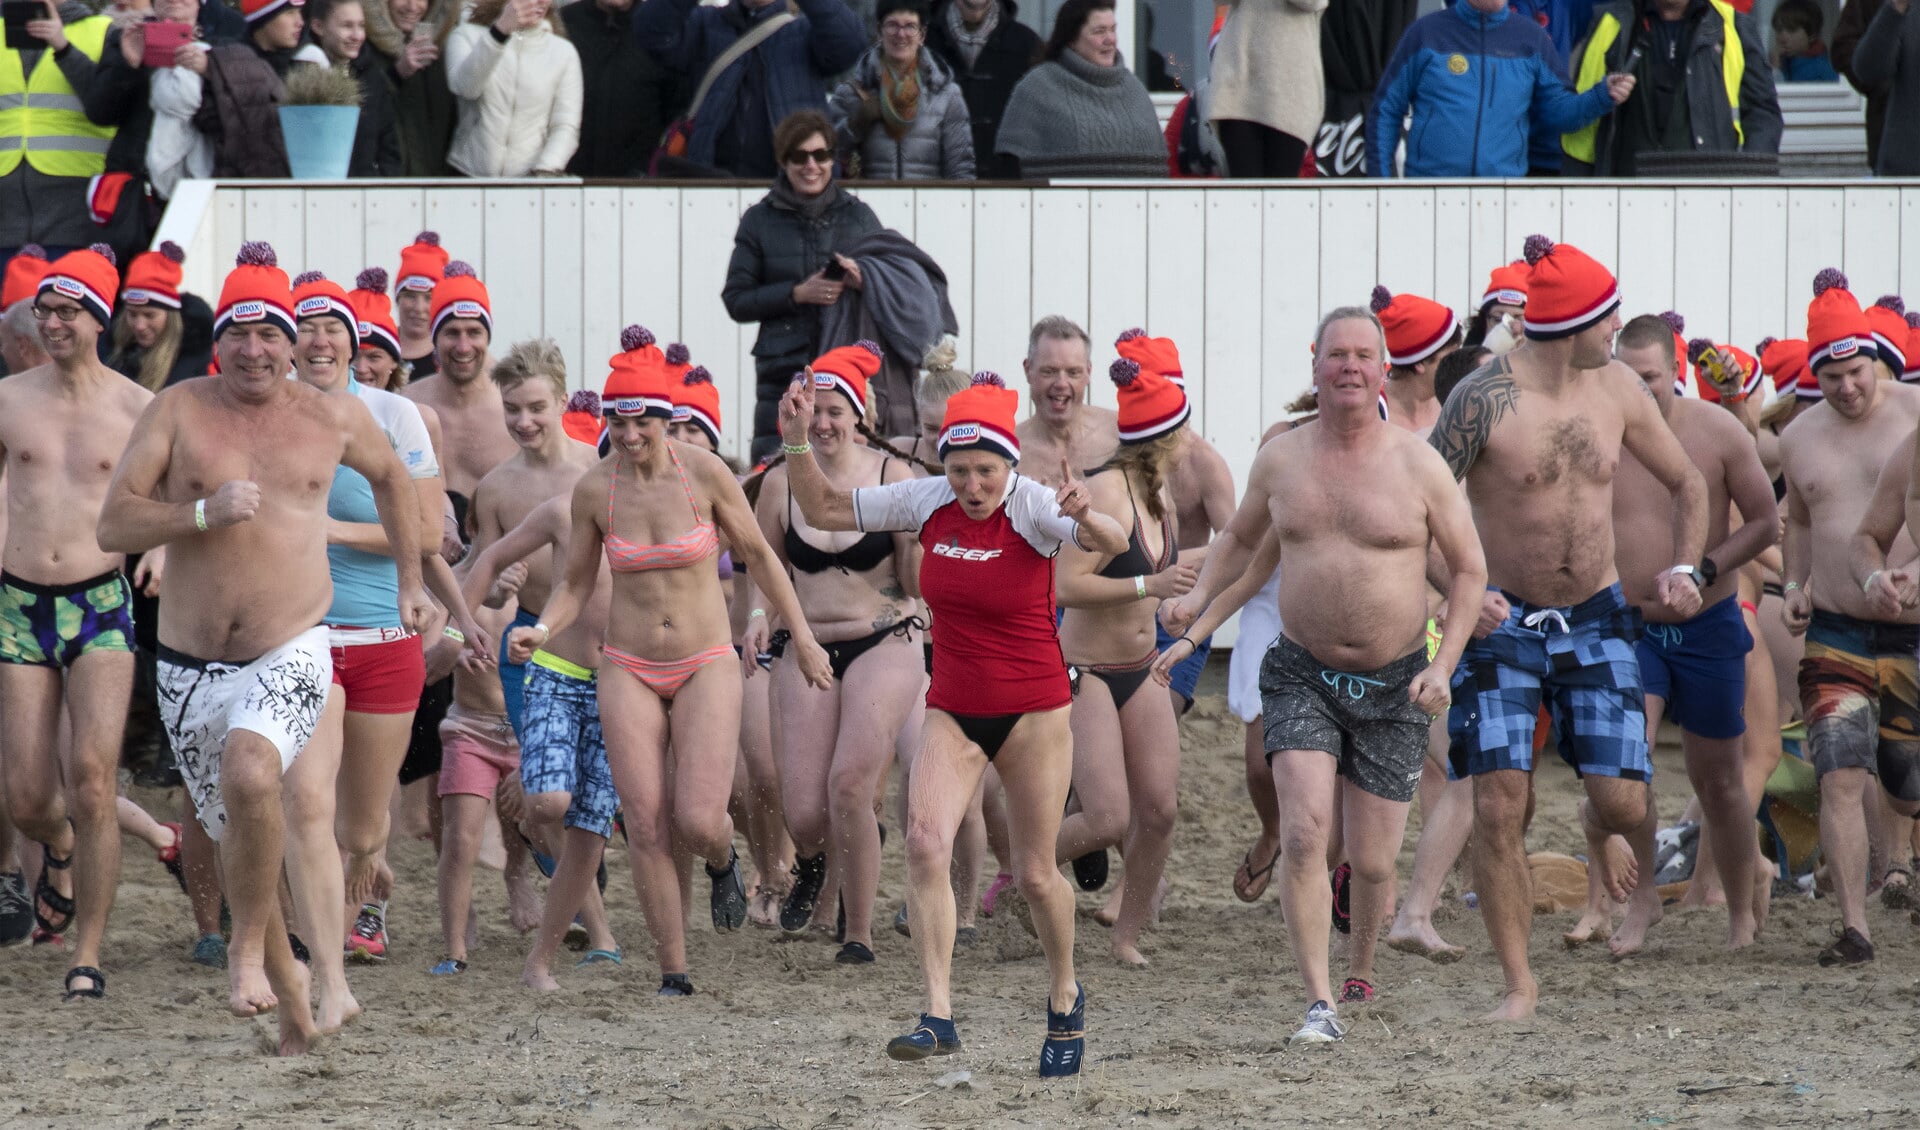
(519, 101)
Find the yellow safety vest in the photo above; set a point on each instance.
(1593, 68)
(41, 117)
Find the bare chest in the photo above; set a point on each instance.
(476, 442)
(291, 459)
(1317, 510)
(1543, 451)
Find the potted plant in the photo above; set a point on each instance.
(319, 118)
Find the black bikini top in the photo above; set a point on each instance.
(1135, 562)
(867, 553)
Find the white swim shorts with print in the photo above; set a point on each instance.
(278, 696)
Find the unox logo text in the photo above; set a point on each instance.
(308, 307)
(962, 553)
(682, 413)
(69, 288)
(366, 329)
(250, 311)
(630, 405)
(1845, 347)
(823, 380)
(465, 309)
(963, 433)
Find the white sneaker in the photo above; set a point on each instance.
(1322, 1026)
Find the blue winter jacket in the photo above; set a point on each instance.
(1477, 84)
(799, 59)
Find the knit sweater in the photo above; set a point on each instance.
(1073, 118)
(1888, 58)
(1266, 67)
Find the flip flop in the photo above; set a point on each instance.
(599, 957)
(1257, 881)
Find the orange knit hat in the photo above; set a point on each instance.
(1507, 284)
(316, 296)
(256, 290)
(89, 276)
(1150, 405)
(1567, 291)
(153, 278)
(1837, 329)
(1785, 361)
(697, 401)
(1887, 316)
(375, 312)
(638, 384)
(1711, 361)
(847, 370)
(581, 420)
(461, 294)
(1153, 354)
(1416, 327)
(24, 272)
(981, 417)
(422, 263)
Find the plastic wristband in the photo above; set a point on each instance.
(756, 612)
(1140, 588)
(1189, 642)
(454, 634)
(546, 633)
(1867, 585)
(1790, 586)
(796, 448)
(200, 515)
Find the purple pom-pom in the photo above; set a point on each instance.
(1766, 343)
(1913, 319)
(678, 353)
(1891, 302)
(1124, 371)
(1827, 279)
(1130, 335)
(585, 400)
(1537, 247)
(1674, 321)
(305, 277)
(872, 347)
(697, 375)
(104, 252)
(171, 251)
(430, 238)
(256, 253)
(31, 251)
(635, 337)
(1697, 348)
(373, 278)
(460, 269)
(983, 377)
(1382, 298)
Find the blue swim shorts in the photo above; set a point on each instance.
(1700, 668)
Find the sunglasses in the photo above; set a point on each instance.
(811, 157)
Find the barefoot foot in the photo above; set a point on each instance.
(1516, 1005)
(336, 1009)
(1642, 915)
(1594, 922)
(251, 994)
(1127, 953)
(1422, 940)
(539, 979)
(1109, 911)
(297, 1033)
(523, 903)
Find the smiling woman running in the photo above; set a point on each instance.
(669, 673)
(999, 690)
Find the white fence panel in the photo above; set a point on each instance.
(1700, 280)
(1117, 276)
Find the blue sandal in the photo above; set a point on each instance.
(931, 1036)
(1066, 1038)
(599, 957)
(448, 967)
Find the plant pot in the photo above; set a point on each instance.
(319, 140)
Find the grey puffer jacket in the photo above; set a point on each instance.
(938, 147)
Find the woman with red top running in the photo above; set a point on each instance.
(999, 691)
(669, 675)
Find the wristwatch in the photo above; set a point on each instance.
(1708, 571)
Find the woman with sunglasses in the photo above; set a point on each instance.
(784, 269)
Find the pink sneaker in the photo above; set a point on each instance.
(1000, 883)
(368, 941)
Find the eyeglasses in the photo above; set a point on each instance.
(67, 314)
(901, 29)
(811, 157)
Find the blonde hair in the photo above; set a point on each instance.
(156, 364)
(1151, 461)
(535, 359)
(939, 378)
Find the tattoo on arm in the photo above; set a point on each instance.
(1471, 413)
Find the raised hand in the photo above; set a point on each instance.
(1072, 496)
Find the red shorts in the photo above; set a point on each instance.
(381, 670)
(476, 751)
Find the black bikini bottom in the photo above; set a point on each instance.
(842, 653)
(1122, 679)
(988, 731)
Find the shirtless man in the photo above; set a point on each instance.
(1348, 507)
(467, 403)
(1063, 425)
(1537, 437)
(532, 384)
(1857, 679)
(1694, 669)
(233, 472)
(66, 613)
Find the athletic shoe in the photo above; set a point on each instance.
(1851, 948)
(853, 953)
(16, 909)
(900, 926)
(675, 985)
(448, 967)
(1356, 991)
(808, 875)
(930, 1037)
(1322, 1026)
(368, 941)
(729, 896)
(210, 951)
(1090, 870)
(1342, 881)
(1066, 1042)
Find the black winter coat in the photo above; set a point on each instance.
(240, 111)
(629, 98)
(1012, 51)
(775, 247)
(196, 345)
(376, 140)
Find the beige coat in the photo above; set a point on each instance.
(1266, 67)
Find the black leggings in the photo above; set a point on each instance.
(1254, 150)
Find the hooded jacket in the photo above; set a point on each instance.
(938, 146)
(1476, 83)
(519, 100)
(424, 109)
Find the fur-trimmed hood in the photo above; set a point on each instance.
(386, 38)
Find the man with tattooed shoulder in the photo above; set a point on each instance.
(1536, 436)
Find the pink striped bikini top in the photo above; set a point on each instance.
(694, 546)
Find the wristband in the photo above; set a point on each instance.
(1790, 586)
(1140, 588)
(498, 36)
(756, 612)
(796, 448)
(454, 634)
(1195, 648)
(546, 633)
(200, 515)
(1867, 585)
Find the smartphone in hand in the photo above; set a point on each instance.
(17, 14)
(833, 271)
(164, 40)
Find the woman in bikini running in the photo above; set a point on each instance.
(1126, 745)
(669, 673)
(834, 747)
(999, 691)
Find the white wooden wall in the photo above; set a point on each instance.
(1236, 275)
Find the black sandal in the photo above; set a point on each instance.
(56, 902)
(98, 991)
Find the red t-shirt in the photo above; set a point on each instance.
(989, 583)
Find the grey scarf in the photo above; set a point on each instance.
(971, 43)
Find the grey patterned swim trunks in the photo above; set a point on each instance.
(1363, 718)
